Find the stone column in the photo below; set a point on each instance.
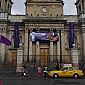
(51, 52)
(7, 5)
(75, 57)
(12, 45)
(2, 4)
(26, 44)
(37, 52)
(62, 46)
(83, 43)
(51, 48)
(4, 47)
(58, 49)
(2, 53)
(19, 58)
(83, 5)
(30, 47)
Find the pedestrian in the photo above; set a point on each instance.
(57, 66)
(24, 71)
(45, 72)
(24, 66)
(39, 71)
(1, 82)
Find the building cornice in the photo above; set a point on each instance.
(27, 2)
(44, 20)
(4, 21)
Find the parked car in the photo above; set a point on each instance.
(66, 71)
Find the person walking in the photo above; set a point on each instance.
(39, 71)
(24, 72)
(1, 82)
(45, 72)
(24, 67)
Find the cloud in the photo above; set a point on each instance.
(18, 7)
(69, 7)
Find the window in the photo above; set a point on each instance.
(70, 68)
(65, 69)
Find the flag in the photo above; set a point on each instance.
(16, 35)
(71, 32)
(5, 40)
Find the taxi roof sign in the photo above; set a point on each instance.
(67, 65)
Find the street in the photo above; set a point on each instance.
(9, 80)
(10, 77)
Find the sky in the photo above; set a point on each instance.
(18, 7)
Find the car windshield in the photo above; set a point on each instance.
(64, 69)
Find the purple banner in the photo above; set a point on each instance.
(16, 35)
(5, 40)
(71, 33)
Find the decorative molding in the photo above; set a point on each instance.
(31, 29)
(46, 26)
(37, 29)
(51, 29)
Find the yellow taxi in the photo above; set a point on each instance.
(66, 71)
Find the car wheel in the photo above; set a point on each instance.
(55, 75)
(75, 76)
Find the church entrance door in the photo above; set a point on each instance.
(14, 58)
(44, 54)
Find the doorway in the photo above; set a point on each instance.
(14, 58)
(44, 56)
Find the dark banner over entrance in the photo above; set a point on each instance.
(71, 33)
(16, 35)
(44, 36)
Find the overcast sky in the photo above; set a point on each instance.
(18, 7)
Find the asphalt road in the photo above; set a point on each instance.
(12, 78)
(9, 80)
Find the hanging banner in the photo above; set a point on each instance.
(44, 36)
(5, 40)
(71, 33)
(16, 35)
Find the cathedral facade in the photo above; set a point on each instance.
(43, 32)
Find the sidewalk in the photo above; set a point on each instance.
(11, 72)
